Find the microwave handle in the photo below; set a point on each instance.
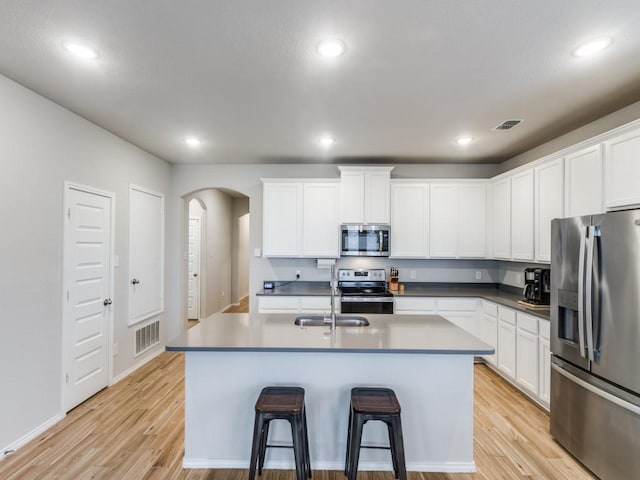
(380, 237)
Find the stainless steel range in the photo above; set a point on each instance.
(364, 291)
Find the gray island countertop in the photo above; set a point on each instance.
(243, 332)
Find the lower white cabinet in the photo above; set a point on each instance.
(507, 342)
(544, 362)
(463, 312)
(416, 306)
(488, 329)
(527, 352)
(305, 304)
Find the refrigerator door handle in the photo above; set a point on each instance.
(583, 241)
(594, 231)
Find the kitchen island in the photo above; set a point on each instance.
(427, 360)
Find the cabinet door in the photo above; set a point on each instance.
(352, 196)
(409, 220)
(443, 220)
(376, 199)
(282, 220)
(468, 321)
(488, 333)
(502, 218)
(472, 231)
(320, 225)
(522, 217)
(583, 182)
(549, 199)
(507, 348)
(278, 304)
(622, 170)
(527, 360)
(544, 374)
(415, 306)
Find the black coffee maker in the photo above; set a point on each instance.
(537, 285)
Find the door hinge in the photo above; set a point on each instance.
(69, 213)
(67, 295)
(67, 378)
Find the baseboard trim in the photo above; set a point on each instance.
(151, 355)
(449, 467)
(10, 449)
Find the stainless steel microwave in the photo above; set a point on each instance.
(364, 240)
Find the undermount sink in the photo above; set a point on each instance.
(341, 321)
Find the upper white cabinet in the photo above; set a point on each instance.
(583, 182)
(409, 220)
(443, 220)
(622, 170)
(549, 198)
(301, 219)
(501, 202)
(472, 237)
(282, 220)
(522, 215)
(364, 195)
(320, 220)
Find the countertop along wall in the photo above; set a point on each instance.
(42, 146)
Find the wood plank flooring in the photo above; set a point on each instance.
(135, 430)
(242, 307)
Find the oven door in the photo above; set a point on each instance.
(363, 304)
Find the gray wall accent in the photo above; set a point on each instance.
(43, 145)
(512, 273)
(609, 122)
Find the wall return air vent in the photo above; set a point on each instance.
(147, 337)
(508, 124)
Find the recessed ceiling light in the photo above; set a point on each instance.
(331, 48)
(80, 50)
(192, 141)
(464, 140)
(326, 141)
(592, 47)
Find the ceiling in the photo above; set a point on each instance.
(244, 75)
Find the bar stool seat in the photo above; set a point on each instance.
(374, 404)
(281, 403)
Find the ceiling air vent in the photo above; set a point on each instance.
(508, 124)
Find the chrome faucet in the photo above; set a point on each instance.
(334, 292)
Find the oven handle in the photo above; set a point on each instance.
(367, 299)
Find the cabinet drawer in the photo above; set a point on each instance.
(457, 304)
(545, 329)
(417, 305)
(528, 323)
(279, 304)
(315, 303)
(490, 308)
(507, 315)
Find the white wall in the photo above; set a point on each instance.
(240, 249)
(41, 146)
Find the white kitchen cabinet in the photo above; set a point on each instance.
(549, 199)
(522, 215)
(282, 219)
(305, 304)
(444, 208)
(364, 195)
(463, 312)
(584, 182)
(488, 329)
(472, 232)
(622, 170)
(544, 362)
(501, 202)
(415, 306)
(320, 220)
(527, 352)
(507, 342)
(409, 220)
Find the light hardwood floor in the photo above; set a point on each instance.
(135, 430)
(242, 307)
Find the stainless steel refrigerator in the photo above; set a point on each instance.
(595, 341)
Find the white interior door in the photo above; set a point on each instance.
(193, 289)
(87, 294)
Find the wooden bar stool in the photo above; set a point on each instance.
(374, 404)
(281, 403)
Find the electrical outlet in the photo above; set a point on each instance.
(413, 274)
(478, 275)
(116, 349)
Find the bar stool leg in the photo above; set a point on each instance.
(356, 439)
(399, 444)
(306, 442)
(348, 453)
(392, 445)
(264, 437)
(299, 455)
(255, 445)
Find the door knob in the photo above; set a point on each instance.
(195, 274)
(135, 281)
(107, 301)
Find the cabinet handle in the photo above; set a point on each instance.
(107, 301)
(135, 281)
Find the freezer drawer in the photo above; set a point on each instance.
(600, 429)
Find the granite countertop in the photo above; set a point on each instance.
(244, 332)
(503, 295)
